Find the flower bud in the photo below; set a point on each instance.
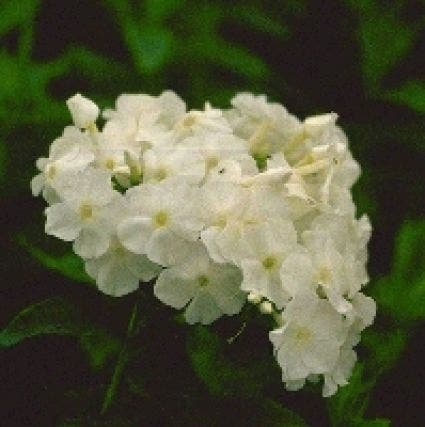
(84, 112)
(266, 307)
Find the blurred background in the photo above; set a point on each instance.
(364, 59)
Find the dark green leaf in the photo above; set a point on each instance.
(69, 265)
(411, 94)
(402, 293)
(59, 317)
(14, 13)
(385, 348)
(275, 415)
(220, 376)
(350, 402)
(384, 39)
(378, 422)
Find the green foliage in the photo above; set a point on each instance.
(56, 316)
(69, 265)
(16, 14)
(347, 407)
(385, 348)
(411, 93)
(402, 293)
(275, 415)
(220, 376)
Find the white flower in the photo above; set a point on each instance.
(259, 206)
(244, 201)
(216, 148)
(83, 214)
(84, 112)
(266, 126)
(310, 338)
(162, 163)
(210, 120)
(118, 271)
(209, 290)
(72, 152)
(265, 246)
(164, 223)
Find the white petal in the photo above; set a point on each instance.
(166, 248)
(172, 289)
(225, 288)
(209, 239)
(142, 267)
(134, 233)
(91, 243)
(37, 184)
(202, 309)
(116, 280)
(297, 274)
(254, 277)
(62, 222)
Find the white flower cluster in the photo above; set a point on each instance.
(221, 206)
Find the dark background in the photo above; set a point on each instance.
(361, 59)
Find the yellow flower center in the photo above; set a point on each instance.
(86, 211)
(160, 219)
(324, 275)
(110, 164)
(160, 174)
(203, 281)
(189, 121)
(269, 262)
(51, 171)
(211, 162)
(302, 335)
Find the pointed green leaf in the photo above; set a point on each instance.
(402, 293)
(69, 264)
(411, 94)
(15, 13)
(59, 317)
(221, 376)
(384, 39)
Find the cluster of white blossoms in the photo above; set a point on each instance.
(220, 207)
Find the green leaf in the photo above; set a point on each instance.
(275, 415)
(258, 20)
(69, 264)
(384, 40)
(385, 348)
(56, 316)
(158, 10)
(220, 376)
(153, 48)
(15, 13)
(402, 293)
(378, 422)
(411, 94)
(351, 400)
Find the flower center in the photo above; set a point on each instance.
(203, 281)
(160, 174)
(211, 162)
(160, 219)
(110, 164)
(189, 121)
(51, 171)
(269, 262)
(86, 211)
(302, 335)
(324, 275)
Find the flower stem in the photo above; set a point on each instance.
(121, 362)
